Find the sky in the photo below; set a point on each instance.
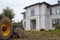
(18, 5)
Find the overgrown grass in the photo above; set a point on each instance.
(50, 33)
(44, 35)
(44, 31)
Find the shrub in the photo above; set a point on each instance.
(57, 26)
(42, 30)
(49, 30)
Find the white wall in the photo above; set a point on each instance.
(54, 15)
(28, 10)
(29, 17)
(54, 9)
(42, 17)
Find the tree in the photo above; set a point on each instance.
(8, 12)
(18, 24)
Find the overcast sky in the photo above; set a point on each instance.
(18, 5)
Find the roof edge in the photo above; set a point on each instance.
(23, 12)
(37, 4)
(31, 5)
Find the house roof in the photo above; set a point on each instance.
(23, 13)
(55, 5)
(37, 4)
(40, 4)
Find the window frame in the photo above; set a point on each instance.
(24, 15)
(58, 11)
(50, 11)
(24, 24)
(56, 20)
(32, 12)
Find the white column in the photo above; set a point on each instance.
(28, 25)
(50, 23)
(37, 24)
(42, 21)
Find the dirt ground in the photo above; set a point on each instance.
(36, 37)
(40, 36)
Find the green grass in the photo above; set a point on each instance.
(44, 35)
(49, 31)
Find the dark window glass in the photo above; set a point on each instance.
(24, 24)
(58, 11)
(50, 11)
(55, 21)
(32, 12)
(24, 16)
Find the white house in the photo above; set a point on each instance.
(41, 16)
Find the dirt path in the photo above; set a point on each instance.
(36, 37)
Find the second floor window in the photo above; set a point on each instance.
(58, 11)
(24, 24)
(32, 12)
(50, 11)
(24, 16)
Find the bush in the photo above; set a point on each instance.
(42, 30)
(49, 30)
(57, 26)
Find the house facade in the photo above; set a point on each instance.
(41, 16)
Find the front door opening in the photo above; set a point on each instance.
(33, 24)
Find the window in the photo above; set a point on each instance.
(24, 24)
(50, 11)
(24, 16)
(32, 12)
(58, 11)
(55, 21)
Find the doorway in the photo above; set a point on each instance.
(33, 24)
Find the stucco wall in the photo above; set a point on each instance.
(29, 17)
(42, 17)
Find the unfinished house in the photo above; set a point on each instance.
(41, 16)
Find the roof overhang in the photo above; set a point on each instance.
(23, 12)
(37, 4)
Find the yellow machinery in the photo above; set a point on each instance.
(5, 27)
